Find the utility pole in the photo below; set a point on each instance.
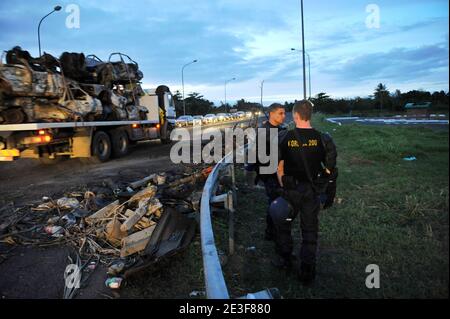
(182, 83)
(303, 50)
(57, 8)
(226, 82)
(262, 88)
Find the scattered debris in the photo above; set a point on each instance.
(116, 268)
(67, 203)
(409, 158)
(126, 234)
(197, 293)
(55, 231)
(114, 282)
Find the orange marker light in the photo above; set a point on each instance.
(135, 126)
(158, 126)
(47, 138)
(41, 132)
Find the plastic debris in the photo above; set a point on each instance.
(92, 265)
(69, 219)
(197, 293)
(67, 203)
(116, 268)
(160, 179)
(55, 231)
(409, 158)
(45, 207)
(114, 282)
(53, 220)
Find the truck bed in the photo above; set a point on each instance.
(38, 126)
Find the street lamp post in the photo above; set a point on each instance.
(309, 70)
(182, 81)
(303, 50)
(262, 88)
(226, 82)
(57, 8)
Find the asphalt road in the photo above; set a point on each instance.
(26, 180)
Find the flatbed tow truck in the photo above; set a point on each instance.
(96, 141)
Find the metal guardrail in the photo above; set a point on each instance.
(214, 280)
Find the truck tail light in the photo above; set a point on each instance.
(41, 139)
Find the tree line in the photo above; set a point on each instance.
(382, 100)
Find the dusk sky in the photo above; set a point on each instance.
(249, 40)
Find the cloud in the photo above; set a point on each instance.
(399, 64)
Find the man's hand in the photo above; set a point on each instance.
(280, 172)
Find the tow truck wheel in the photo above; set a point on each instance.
(120, 143)
(101, 147)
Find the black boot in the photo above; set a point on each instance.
(269, 233)
(307, 274)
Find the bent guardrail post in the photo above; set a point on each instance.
(230, 208)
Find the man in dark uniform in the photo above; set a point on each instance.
(277, 115)
(303, 158)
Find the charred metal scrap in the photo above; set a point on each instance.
(71, 88)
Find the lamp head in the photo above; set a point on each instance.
(57, 8)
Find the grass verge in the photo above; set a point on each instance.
(389, 212)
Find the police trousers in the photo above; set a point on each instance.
(306, 205)
(272, 187)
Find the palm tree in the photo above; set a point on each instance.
(381, 93)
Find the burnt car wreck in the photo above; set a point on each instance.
(72, 88)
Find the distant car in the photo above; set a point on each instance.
(197, 120)
(209, 118)
(184, 120)
(240, 114)
(221, 117)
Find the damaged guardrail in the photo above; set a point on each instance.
(214, 280)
